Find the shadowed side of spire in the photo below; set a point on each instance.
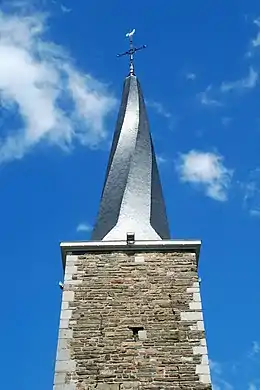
(132, 199)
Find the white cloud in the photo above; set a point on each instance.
(160, 159)
(257, 22)
(65, 9)
(38, 81)
(226, 375)
(256, 347)
(252, 196)
(219, 383)
(84, 227)
(224, 385)
(191, 76)
(255, 42)
(249, 82)
(215, 367)
(226, 120)
(206, 170)
(91, 105)
(159, 108)
(255, 212)
(206, 99)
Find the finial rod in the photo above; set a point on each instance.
(131, 51)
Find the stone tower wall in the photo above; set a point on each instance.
(131, 321)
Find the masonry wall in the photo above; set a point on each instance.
(131, 321)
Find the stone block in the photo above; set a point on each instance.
(68, 296)
(69, 386)
(202, 369)
(142, 334)
(203, 342)
(200, 325)
(68, 278)
(130, 386)
(65, 334)
(63, 343)
(200, 350)
(205, 379)
(186, 358)
(63, 354)
(64, 324)
(205, 359)
(66, 314)
(193, 290)
(195, 306)
(71, 259)
(139, 259)
(68, 284)
(64, 305)
(196, 297)
(65, 366)
(59, 378)
(108, 386)
(191, 316)
(70, 269)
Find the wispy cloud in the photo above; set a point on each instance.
(207, 171)
(160, 159)
(65, 9)
(159, 108)
(191, 76)
(255, 350)
(214, 97)
(226, 120)
(255, 42)
(52, 98)
(243, 373)
(206, 98)
(257, 22)
(255, 213)
(219, 383)
(84, 227)
(249, 82)
(215, 367)
(252, 194)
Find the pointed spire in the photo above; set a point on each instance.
(132, 199)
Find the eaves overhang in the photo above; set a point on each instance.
(81, 247)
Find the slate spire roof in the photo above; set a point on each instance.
(132, 199)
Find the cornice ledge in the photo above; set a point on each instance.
(77, 247)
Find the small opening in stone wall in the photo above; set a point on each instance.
(130, 253)
(138, 332)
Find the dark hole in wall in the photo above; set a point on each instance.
(135, 330)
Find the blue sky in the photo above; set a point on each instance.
(60, 86)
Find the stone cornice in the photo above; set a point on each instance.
(78, 247)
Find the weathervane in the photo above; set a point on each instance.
(131, 51)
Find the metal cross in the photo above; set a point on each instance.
(131, 51)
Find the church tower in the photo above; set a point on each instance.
(131, 315)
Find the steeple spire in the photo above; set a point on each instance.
(132, 199)
(131, 52)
